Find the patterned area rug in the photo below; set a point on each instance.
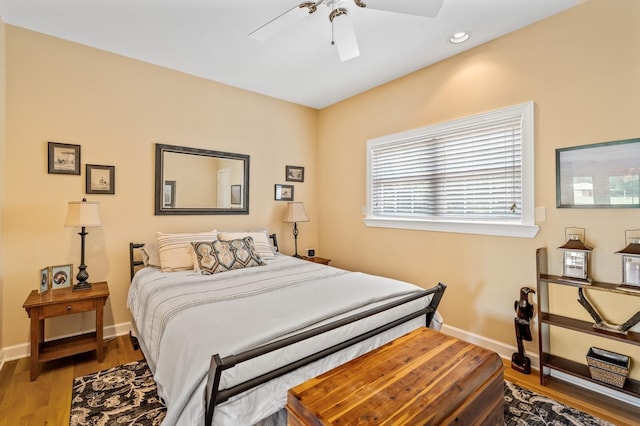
(126, 395)
(123, 395)
(523, 407)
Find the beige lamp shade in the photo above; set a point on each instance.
(83, 213)
(295, 213)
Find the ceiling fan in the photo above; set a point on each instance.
(342, 31)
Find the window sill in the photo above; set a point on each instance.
(481, 228)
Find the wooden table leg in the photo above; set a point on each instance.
(99, 332)
(37, 337)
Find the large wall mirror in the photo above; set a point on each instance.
(200, 181)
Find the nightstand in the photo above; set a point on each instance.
(317, 259)
(55, 303)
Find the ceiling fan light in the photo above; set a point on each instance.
(459, 37)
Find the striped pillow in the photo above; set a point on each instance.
(175, 249)
(260, 241)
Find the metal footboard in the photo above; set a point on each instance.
(214, 396)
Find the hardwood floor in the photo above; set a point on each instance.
(47, 400)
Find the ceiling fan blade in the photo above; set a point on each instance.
(279, 23)
(345, 37)
(428, 8)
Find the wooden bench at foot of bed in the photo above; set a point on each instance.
(422, 378)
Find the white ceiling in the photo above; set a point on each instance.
(209, 38)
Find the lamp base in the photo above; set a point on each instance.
(81, 286)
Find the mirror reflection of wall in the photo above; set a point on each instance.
(196, 176)
(197, 181)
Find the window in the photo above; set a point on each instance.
(472, 175)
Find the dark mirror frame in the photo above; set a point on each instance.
(601, 162)
(161, 210)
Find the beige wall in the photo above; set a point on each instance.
(2, 169)
(117, 109)
(581, 69)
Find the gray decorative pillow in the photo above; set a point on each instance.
(236, 254)
(205, 260)
(219, 256)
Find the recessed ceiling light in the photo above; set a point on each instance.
(459, 37)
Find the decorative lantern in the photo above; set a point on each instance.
(575, 260)
(631, 262)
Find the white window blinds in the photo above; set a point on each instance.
(467, 170)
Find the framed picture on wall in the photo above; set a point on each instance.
(601, 175)
(236, 194)
(283, 192)
(64, 158)
(169, 194)
(295, 173)
(101, 179)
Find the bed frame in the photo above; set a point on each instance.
(214, 396)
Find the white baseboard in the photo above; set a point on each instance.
(596, 388)
(502, 349)
(23, 350)
(505, 351)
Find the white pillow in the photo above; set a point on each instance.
(260, 241)
(175, 249)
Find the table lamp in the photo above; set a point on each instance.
(82, 214)
(295, 213)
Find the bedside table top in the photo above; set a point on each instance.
(98, 290)
(317, 259)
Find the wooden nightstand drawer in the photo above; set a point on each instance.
(67, 308)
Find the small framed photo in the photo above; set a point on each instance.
(61, 276)
(169, 194)
(45, 281)
(101, 179)
(295, 174)
(283, 192)
(236, 194)
(64, 158)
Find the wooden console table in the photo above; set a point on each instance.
(55, 303)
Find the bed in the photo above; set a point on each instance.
(225, 348)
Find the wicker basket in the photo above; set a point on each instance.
(608, 367)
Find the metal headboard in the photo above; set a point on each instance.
(136, 261)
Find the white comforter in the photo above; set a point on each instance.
(183, 318)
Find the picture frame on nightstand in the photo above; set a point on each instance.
(44, 280)
(61, 276)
